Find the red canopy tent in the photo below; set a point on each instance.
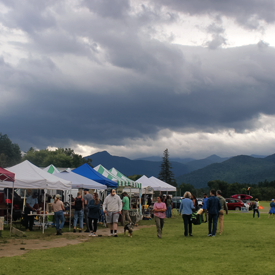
(7, 176)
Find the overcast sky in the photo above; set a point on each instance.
(137, 77)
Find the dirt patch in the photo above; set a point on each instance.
(17, 247)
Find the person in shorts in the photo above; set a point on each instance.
(112, 208)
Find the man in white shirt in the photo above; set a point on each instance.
(112, 207)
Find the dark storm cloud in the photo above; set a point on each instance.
(93, 81)
(246, 12)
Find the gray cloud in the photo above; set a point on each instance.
(92, 81)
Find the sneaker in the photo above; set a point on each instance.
(74, 231)
(191, 235)
(111, 235)
(209, 235)
(115, 235)
(213, 235)
(80, 231)
(91, 235)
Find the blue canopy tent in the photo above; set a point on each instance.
(87, 171)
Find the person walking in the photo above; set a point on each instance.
(168, 207)
(256, 208)
(186, 207)
(58, 209)
(112, 208)
(87, 198)
(272, 209)
(125, 209)
(224, 208)
(78, 211)
(204, 207)
(159, 214)
(94, 214)
(213, 208)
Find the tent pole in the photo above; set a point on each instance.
(70, 202)
(7, 205)
(45, 190)
(12, 206)
(140, 206)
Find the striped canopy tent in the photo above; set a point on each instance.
(106, 173)
(130, 183)
(51, 169)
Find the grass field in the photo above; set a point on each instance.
(246, 246)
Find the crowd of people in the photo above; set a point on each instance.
(92, 209)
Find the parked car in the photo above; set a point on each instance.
(234, 204)
(199, 202)
(176, 202)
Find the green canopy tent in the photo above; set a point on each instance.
(130, 183)
(106, 173)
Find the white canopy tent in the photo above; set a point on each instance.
(79, 181)
(29, 176)
(162, 185)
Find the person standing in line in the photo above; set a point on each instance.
(186, 208)
(31, 205)
(204, 206)
(168, 207)
(78, 211)
(224, 208)
(256, 208)
(87, 198)
(58, 209)
(94, 214)
(195, 203)
(159, 214)
(213, 208)
(125, 209)
(272, 209)
(112, 207)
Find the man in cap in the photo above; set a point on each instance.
(31, 205)
(112, 207)
(87, 198)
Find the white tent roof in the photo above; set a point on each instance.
(79, 181)
(149, 183)
(29, 176)
(163, 185)
(51, 169)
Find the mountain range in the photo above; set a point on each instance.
(242, 169)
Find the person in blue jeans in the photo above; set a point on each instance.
(58, 209)
(78, 211)
(213, 208)
(168, 207)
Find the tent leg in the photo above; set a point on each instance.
(12, 207)
(140, 207)
(70, 216)
(45, 190)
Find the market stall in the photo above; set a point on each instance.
(29, 176)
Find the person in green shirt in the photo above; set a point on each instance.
(125, 209)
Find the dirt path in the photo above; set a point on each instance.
(17, 247)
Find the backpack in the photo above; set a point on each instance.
(196, 218)
(78, 204)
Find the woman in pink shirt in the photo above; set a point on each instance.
(159, 214)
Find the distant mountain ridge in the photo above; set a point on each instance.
(149, 167)
(242, 169)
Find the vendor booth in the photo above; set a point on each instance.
(29, 176)
(163, 186)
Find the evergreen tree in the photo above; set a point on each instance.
(166, 173)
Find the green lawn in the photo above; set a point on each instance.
(245, 247)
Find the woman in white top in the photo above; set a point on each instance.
(58, 209)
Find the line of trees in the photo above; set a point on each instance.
(263, 190)
(10, 154)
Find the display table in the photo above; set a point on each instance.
(40, 219)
